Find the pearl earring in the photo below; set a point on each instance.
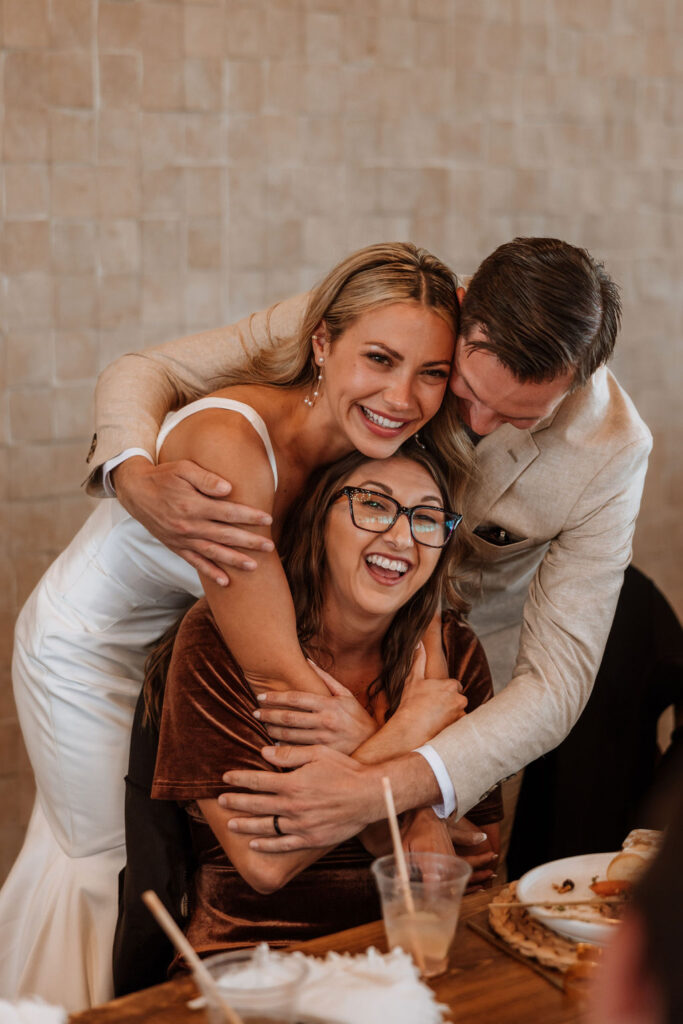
(310, 400)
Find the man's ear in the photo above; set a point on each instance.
(460, 292)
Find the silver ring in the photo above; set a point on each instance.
(276, 824)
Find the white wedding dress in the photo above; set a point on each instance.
(80, 645)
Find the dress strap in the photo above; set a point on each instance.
(174, 418)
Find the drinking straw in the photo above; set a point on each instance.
(164, 919)
(398, 845)
(401, 865)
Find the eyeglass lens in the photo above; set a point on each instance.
(377, 513)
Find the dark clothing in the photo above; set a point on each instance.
(159, 858)
(588, 793)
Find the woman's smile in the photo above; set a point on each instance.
(384, 425)
(386, 569)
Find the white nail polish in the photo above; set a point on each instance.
(256, 714)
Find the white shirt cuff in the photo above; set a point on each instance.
(449, 801)
(111, 465)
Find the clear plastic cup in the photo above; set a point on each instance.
(260, 984)
(436, 883)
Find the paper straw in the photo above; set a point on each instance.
(402, 867)
(164, 919)
(398, 845)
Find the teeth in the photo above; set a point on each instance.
(394, 564)
(382, 421)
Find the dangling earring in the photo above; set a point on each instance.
(312, 399)
(418, 440)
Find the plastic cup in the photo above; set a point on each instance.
(437, 883)
(261, 985)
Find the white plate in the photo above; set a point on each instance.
(537, 884)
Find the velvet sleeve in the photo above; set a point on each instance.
(207, 723)
(467, 663)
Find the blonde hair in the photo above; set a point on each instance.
(375, 276)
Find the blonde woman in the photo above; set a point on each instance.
(367, 369)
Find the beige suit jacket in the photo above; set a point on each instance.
(567, 493)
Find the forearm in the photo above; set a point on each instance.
(394, 739)
(135, 392)
(264, 872)
(413, 785)
(414, 723)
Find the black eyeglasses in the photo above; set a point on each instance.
(377, 512)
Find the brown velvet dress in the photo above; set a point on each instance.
(207, 727)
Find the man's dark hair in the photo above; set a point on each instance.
(545, 307)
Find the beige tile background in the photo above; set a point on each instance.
(168, 165)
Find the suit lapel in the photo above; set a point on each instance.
(501, 457)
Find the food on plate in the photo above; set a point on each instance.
(637, 851)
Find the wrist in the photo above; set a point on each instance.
(125, 472)
(412, 781)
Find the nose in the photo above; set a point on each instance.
(399, 536)
(399, 393)
(482, 419)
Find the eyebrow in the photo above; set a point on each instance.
(388, 490)
(400, 358)
(520, 419)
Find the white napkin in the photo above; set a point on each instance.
(31, 1011)
(365, 989)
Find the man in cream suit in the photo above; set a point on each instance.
(561, 455)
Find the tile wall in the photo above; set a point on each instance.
(168, 165)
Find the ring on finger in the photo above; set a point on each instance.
(276, 825)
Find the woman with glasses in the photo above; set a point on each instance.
(370, 552)
(366, 370)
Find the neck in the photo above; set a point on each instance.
(310, 437)
(353, 639)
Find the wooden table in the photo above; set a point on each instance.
(482, 986)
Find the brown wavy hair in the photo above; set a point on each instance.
(302, 551)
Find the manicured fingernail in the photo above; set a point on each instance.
(261, 696)
(267, 545)
(266, 519)
(478, 837)
(222, 581)
(256, 714)
(250, 566)
(222, 800)
(254, 844)
(268, 750)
